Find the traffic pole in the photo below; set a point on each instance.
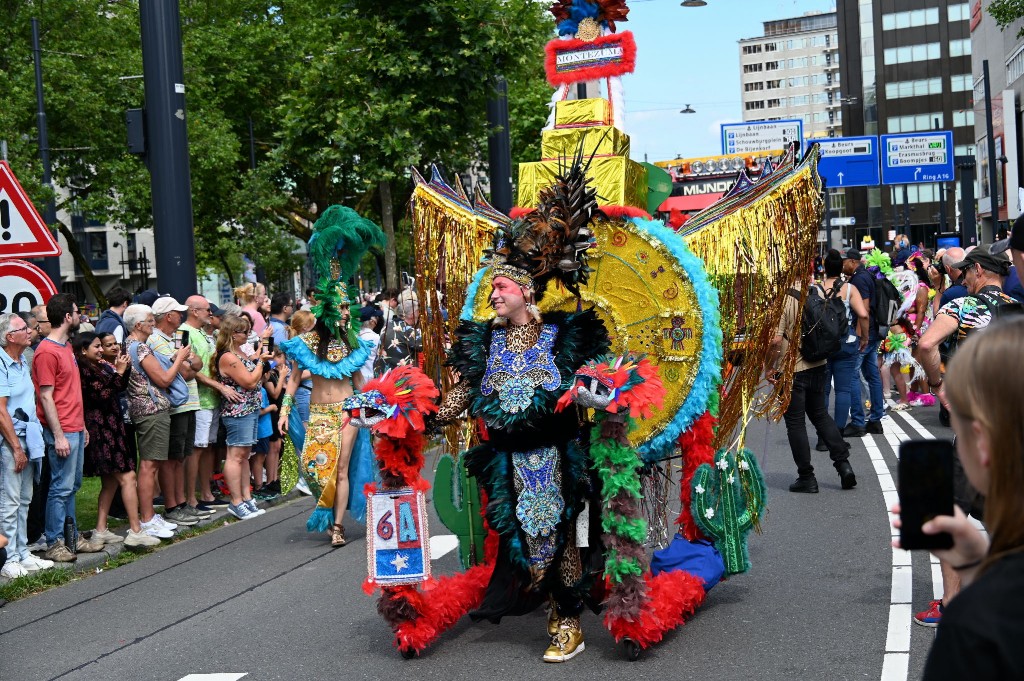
(499, 147)
(51, 266)
(167, 147)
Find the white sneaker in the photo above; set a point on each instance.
(143, 539)
(38, 547)
(166, 524)
(33, 564)
(303, 487)
(154, 529)
(107, 537)
(12, 569)
(253, 508)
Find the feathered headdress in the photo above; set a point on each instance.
(396, 403)
(551, 241)
(340, 239)
(569, 13)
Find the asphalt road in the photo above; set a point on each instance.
(267, 600)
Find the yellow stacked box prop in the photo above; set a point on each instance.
(619, 181)
(575, 112)
(600, 140)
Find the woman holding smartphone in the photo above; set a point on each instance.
(239, 366)
(981, 629)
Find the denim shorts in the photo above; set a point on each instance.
(241, 430)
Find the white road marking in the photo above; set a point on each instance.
(440, 544)
(213, 677)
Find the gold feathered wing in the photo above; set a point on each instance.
(755, 242)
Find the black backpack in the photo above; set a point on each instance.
(887, 303)
(824, 325)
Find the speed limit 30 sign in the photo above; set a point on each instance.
(23, 286)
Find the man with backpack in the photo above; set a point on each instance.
(819, 331)
(867, 363)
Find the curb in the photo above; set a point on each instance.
(91, 562)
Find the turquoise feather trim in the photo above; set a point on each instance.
(709, 371)
(297, 350)
(321, 519)
(474, 286)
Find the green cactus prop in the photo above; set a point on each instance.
(727, 503)
(457, 502)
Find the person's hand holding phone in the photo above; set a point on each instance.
(970, 545)
(121, 363)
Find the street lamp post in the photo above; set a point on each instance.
(122, 258)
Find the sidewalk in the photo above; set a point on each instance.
(90, 562)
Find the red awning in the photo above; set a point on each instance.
(688, 204)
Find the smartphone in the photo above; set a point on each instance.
(185, 336)
(270, 344)
(926, 491)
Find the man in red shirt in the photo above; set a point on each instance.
(60, 410)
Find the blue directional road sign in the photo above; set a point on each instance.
(755, 137)
(916, 157)
(848, 161)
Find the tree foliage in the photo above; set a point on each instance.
(1006, 12)
(342, 99)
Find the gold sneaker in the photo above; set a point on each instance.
(552, 619)
(567, 642)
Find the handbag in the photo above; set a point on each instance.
(176, 392)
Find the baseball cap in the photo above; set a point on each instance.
(983, 255)
(1014, 241)
(852, 253)
(368, 313)
(216, 311)
(147, 297)
(167, 304)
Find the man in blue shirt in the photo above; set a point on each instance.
(868, 361)
(281, 309)
(951, 257)
(17, 408)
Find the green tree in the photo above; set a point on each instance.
(397, 85)
(1006, 12)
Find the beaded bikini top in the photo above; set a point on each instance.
(516, 375)
(336, 350)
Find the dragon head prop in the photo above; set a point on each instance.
(394, 404)
(627, 383)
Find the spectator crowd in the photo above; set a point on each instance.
(172, 405)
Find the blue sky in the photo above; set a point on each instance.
(690, 55)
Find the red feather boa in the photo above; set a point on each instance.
(625, 212)
(696, 447)
(671, 597)
(610, 70)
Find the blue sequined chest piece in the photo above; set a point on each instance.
(517, 375)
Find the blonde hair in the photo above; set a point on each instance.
(229, 326)
(982, 385)
(246, 293)
(302, 321)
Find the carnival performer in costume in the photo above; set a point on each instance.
(336, 458)
(513, 369)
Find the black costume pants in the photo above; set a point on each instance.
(808, 398)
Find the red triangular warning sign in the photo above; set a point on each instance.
(23, 234)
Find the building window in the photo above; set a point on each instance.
(961, 12)
(770, 47)
(960, 83)
(751, 49)
(772, 66)
(960, 48)
(750, 87)
(774, 84)
(916, 123)
(912, 53)
(1015, 66)
(799, 100)
(963, 118)
(913, 88)
(774, 103)
(917, 17)
(752, 68)
(750, 106)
